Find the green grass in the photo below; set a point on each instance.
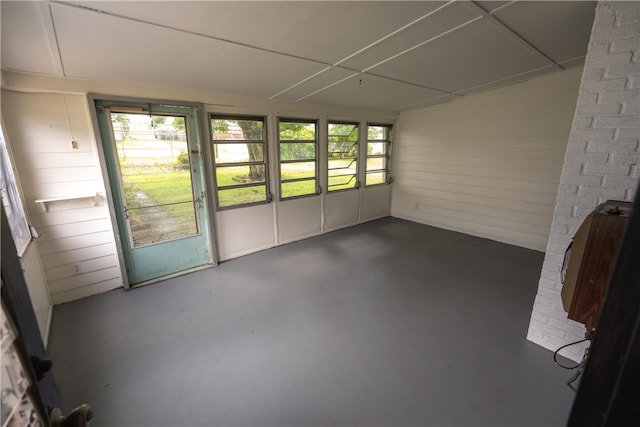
(239, 196)
(158, 184)
(161, 183)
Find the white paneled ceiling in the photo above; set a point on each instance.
(383, 55)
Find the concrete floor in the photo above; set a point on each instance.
(386, 323)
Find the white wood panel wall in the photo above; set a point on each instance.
(488, 164)
(74, 233)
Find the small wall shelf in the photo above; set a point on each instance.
(47, 201)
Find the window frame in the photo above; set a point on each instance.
(387, 155)
(264, 162)
(316, 176)
(356, 159)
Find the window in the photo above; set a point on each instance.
(298, 158)
(378, 149)
(11, 201)
(240, 159)
(342, 156)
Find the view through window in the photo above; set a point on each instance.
(342, 156)
(153, 158)
(298, 158)
(378, 150)
(239, 151)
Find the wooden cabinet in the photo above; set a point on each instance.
(590, 261)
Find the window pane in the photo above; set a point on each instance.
(376, 163)
(377, 148)
(342, 166)
(343, 132)
(378, 142)
(238, 152)
(237, 175)
(156, 178)
(297, 170)
(376, 178)
(149, 224)
(297, 131)
(342, 154)
(342, 182)
(240, 196)
(297, 151)
(229, 144)
(151, 182)
(342, 149)
(378, 133)
(237, 129)
(299, 188)
(297, 144)
(342, 174)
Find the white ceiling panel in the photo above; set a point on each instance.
(326, 31)
(409, 52)
(25, 45)
(105, 47)
(440, 22)
(567, 24)
(318, 82)
(476, 54)
(365, 91)
(490, 6)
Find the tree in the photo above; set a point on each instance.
(302, 137)
(124, 122)
(178, 124)
(252, 130)
(343, 140)
(157, 121)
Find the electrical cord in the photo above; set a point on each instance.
(555, 354)
(579, 366)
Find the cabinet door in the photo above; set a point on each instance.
(575, 260)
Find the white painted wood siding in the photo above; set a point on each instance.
(40, 128)
(488, 164)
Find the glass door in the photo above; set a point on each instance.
(155, 173)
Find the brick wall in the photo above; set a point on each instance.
(602, 159)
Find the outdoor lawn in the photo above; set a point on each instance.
(157, 183)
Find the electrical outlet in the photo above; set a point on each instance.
(75, 268)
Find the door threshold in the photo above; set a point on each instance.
(169, 276)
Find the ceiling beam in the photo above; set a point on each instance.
(393, 33)
(50, 30)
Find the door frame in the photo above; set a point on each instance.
(206, 179)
